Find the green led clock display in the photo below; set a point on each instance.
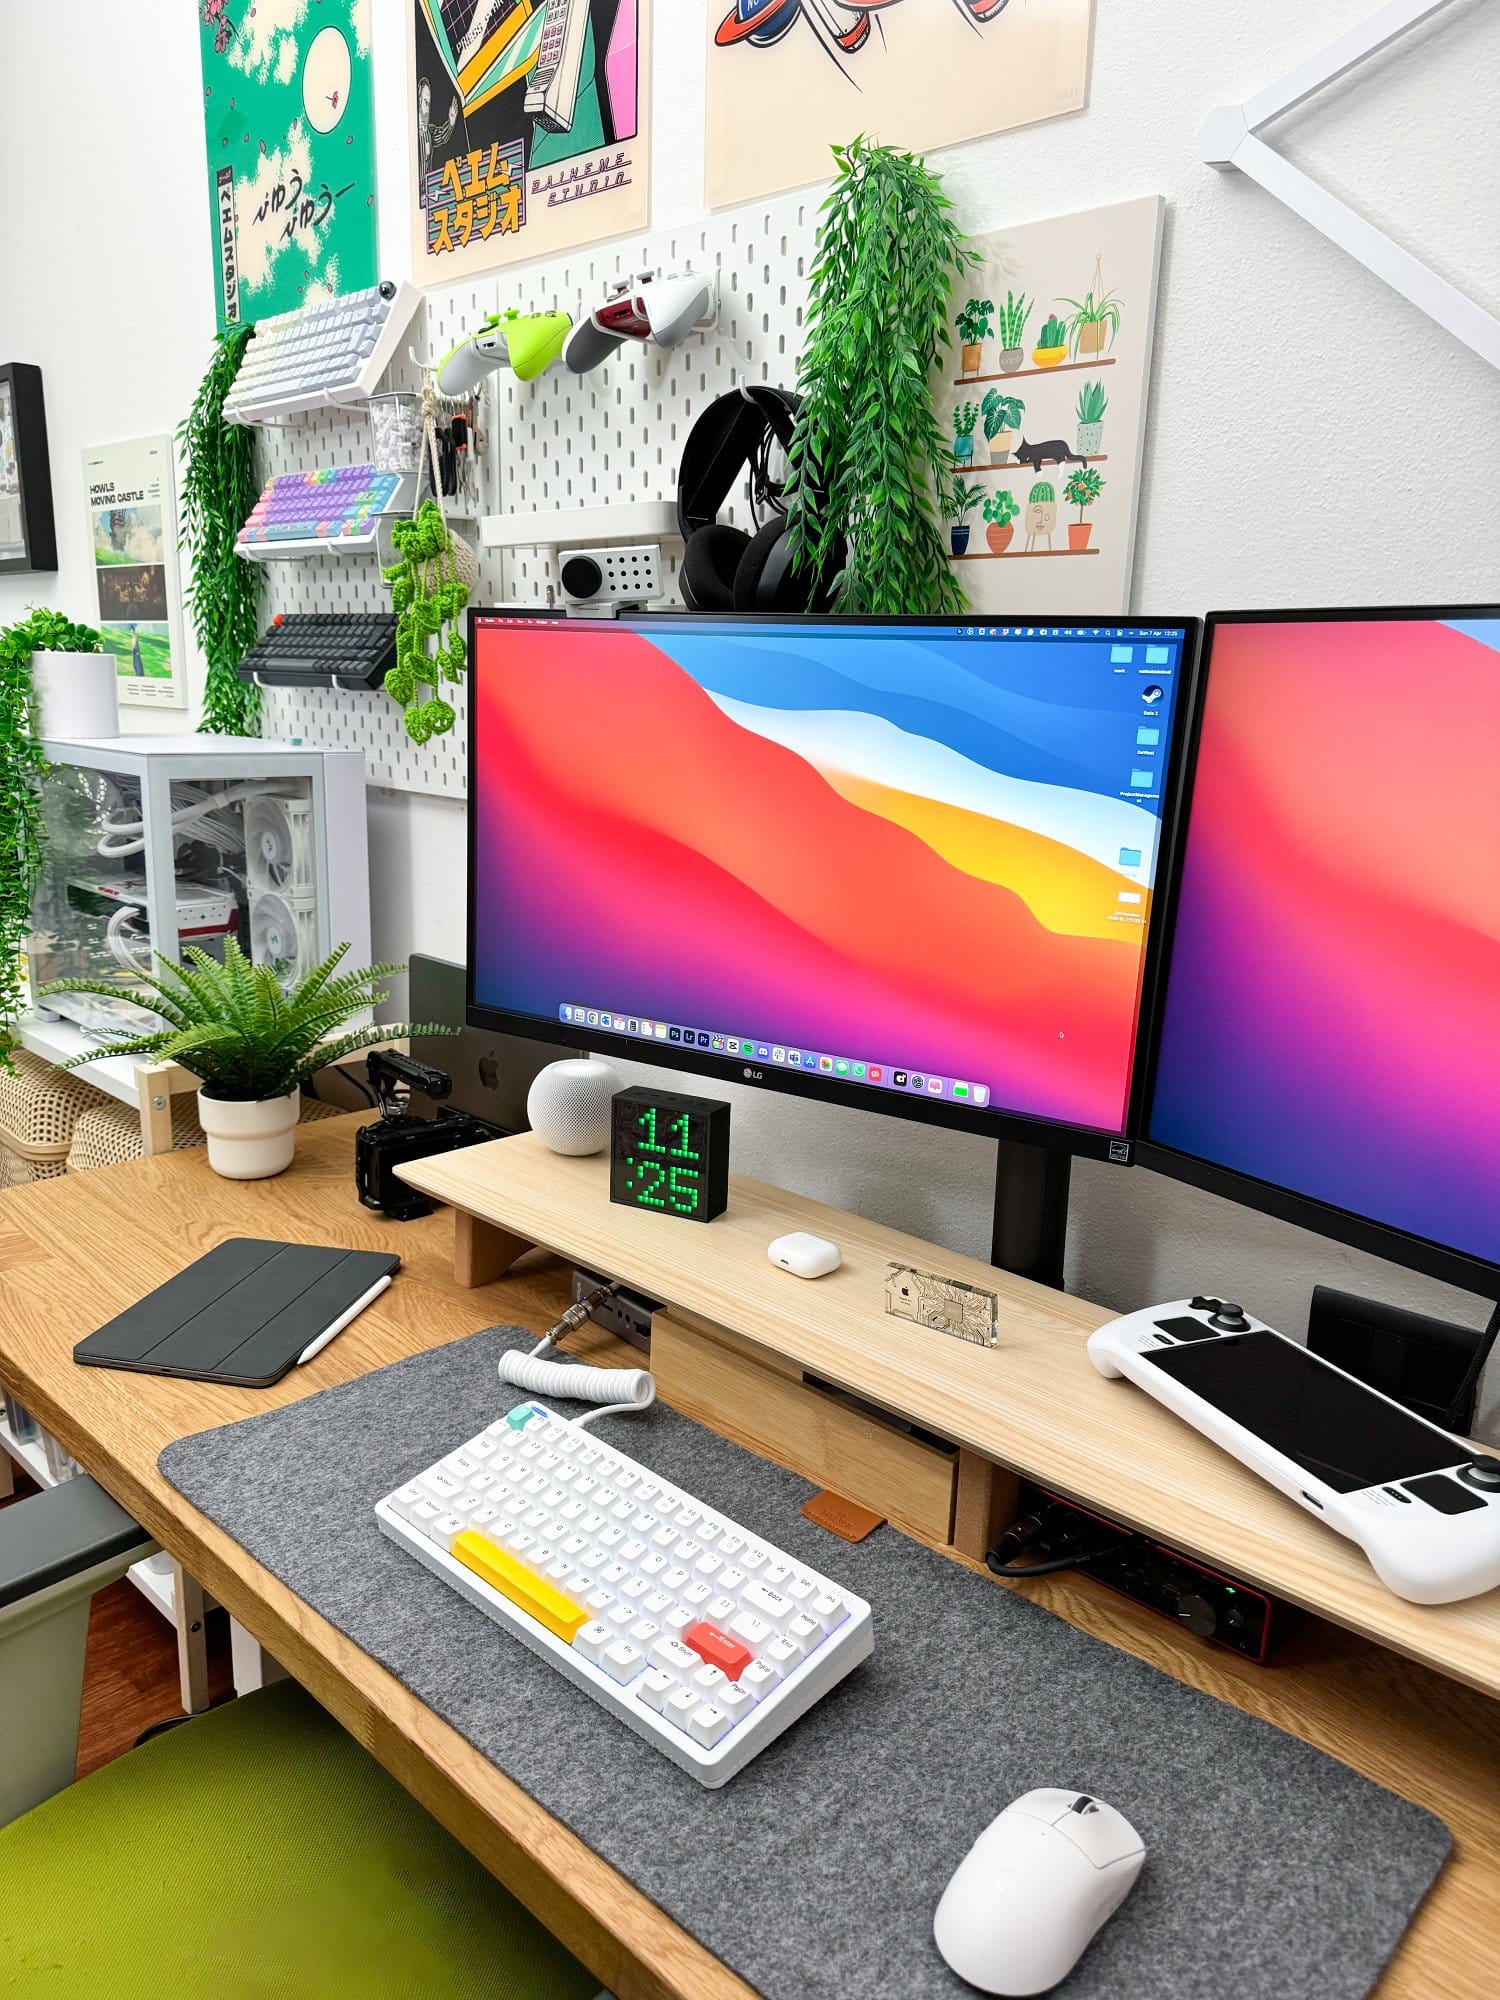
(669, 1153)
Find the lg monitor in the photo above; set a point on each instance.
(1328, 1046)
(906, 864)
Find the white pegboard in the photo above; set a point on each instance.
(561, 441)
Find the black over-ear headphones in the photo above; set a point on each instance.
(724, 569)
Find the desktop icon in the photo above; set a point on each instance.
(859, 1070)
(778, 1055)
(960, 1090)
(876, 1073)
(917, 1080)
(674, 1034)
(1147, 738)
(718, 1041)
(635, 1027)
(1130, 857)
(935, 1085)
(898, 1077)
(981, 1093)
(702, 1041)
(762, 1051)
(593, 1018)
(825, 1062)
(841, 1067)
(1152, 693)
(1141, 781)
(661, 1031)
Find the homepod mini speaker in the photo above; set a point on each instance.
(568, 1104)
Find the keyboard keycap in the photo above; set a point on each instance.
(622, 1661)
(522, 1585)
(709, 1725)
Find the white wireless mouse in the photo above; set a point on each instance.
(806, 1255)
(1031, 1892)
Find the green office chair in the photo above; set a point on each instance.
(253, 1853)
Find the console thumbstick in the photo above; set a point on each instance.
(1198, 1615)
(1230, 1318)
(1482, 1472)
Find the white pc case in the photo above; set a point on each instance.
(155, 843)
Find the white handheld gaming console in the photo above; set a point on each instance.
(1423, 1508)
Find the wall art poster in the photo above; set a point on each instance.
(787, 79)
(529, 129)
(289, 121)
(133, 538)
(1044, 395)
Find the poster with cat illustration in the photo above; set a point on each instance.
(1043, 393)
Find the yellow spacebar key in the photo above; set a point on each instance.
(513, 1579)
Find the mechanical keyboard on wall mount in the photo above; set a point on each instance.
(331, 352)
(693, 1631)
(344, 649)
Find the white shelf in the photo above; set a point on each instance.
(152, 1576)
(59, 1041)
(558, 527)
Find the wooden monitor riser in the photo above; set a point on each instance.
(1033, 1406)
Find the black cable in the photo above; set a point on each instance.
(1459, 1414)
(1052, 1567)
(1025, 1533)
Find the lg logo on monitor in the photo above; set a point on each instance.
(755, 1076)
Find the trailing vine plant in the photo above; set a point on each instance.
(428, 597)
(219, 489)
(868, 465)
(22, 766)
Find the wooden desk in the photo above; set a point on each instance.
(75, 1250)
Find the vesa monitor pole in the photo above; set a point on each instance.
(1030, 1224)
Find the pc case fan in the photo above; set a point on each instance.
(279, 847)
(284, 934)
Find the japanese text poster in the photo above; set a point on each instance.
(133, 538)
(529, 129)
(289, 119)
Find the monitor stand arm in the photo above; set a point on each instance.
(1031, 1211)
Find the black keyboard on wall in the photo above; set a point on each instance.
(308, 649)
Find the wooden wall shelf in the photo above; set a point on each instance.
(1033, 1406)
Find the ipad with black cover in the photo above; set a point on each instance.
(244, 1314)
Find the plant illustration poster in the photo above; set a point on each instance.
(289, 119)
(787, 79)
(133, 541)
(529, 129)
(1044, 396)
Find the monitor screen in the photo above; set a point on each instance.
(1329, 1044)
(904, 863)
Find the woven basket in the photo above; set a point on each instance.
(111, 1132)
(40, 1104)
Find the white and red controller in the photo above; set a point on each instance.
(1422, 1506)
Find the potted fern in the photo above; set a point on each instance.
(869, 476)
(251, 1045)
(975, 321)
(1051, 344)
(965, 499)
(1013, 320)
(1000, 512)
(965, 417)
(1092, 403)
(1001, 416)
(1082, 490)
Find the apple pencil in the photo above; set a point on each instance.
(317, 1346)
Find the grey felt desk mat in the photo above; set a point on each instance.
(1272, 1871)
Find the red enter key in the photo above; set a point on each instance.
(717, 1649)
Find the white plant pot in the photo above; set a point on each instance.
(75, 695)
(250, 1139)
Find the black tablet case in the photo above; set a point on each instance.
(242, 1314)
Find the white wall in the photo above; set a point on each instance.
(1312, 439)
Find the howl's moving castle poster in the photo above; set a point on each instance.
(529, 129)
(289, 120)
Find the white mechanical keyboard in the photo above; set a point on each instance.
(330, 352)
(690, 1629)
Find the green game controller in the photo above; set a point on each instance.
(527, 343)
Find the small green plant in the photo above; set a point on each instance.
(975, 321)
(1053, 334)
(235, 1028)
(1100, 310)
(1002, 507)
(1041, 495)
(1001, 413)
(428, 598)
(22, 767)
(868, 468)
(1083, 488)
(964, 500)
(219, 489)
(965, 417)
(1013, 318)
(1092, 403)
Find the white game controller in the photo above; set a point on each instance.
(1423, 1508)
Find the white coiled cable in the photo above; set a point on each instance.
(616, 1389)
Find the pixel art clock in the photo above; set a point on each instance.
(669, 1154)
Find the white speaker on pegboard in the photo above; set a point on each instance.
(568, 1104)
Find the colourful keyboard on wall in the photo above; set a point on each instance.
(336, 502)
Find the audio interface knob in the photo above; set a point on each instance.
(1198, 1615)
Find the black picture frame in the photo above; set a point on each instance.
(21, 386)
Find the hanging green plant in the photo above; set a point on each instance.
(219, 489)
(22, 766)
(868, 465)
(428, 596)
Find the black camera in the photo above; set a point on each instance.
(398, 1135)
